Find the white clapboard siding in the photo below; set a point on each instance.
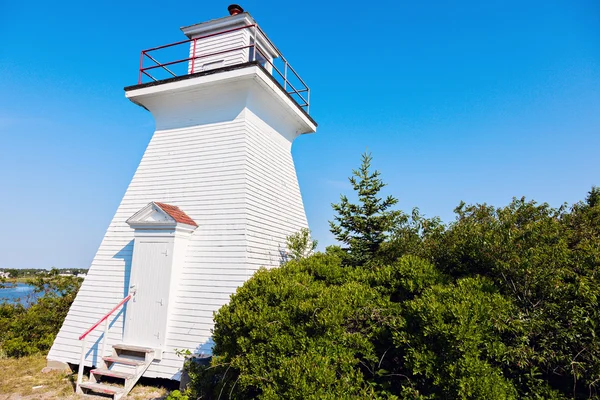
(231, 46)
(275, 208)
(220, 216)
(237, 180)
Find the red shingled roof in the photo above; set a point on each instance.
(176, 214)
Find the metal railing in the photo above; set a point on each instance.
(279, 67)
(84, 338)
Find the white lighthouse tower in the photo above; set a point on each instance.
(213, 199)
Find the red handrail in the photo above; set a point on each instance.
(282, 77)
(125, 300)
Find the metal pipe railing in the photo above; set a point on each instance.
(282, 75)
(194, 55)
(86, 333)
(282, 57)
(163, 65)
(256, 37)
(145, 52)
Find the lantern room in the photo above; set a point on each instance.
(221, 44)
(228, 41)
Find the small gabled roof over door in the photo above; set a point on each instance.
(160, 215)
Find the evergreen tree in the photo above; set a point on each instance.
(363, 227)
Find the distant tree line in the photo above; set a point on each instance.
(29, 272)
(502, 303)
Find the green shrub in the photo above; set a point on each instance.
(316, 329)
(500, 304)
(177, 395)
(452, 344)
(298, 332)
(31, 330)
(547, 261)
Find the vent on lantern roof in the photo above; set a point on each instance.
(234, 9)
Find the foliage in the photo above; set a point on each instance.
(412, 234)
(315, 329)
(176, 395)
(363, 227)
(547, 261)
(300, 244)
(502, 303)
(294, 315)
(30, 329)
(452, 345)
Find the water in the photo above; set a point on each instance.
(16, 292)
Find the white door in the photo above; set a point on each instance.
(146, 322)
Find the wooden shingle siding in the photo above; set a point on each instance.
(201, 170)
(275, 208)
(233, 41)
(237, 181)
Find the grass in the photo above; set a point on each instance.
(19, 376)
(22, 379)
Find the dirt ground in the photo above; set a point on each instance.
(22, 379)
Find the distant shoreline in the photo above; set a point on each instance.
(18, 280)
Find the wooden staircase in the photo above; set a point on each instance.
(127, 363)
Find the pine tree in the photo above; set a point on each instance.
(363, 227)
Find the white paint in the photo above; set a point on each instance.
(222, 97)
(222, 154)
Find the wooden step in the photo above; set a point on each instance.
(113, 374)
(101, 388)
(137, 349)
(124, 361)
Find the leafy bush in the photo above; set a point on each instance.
(26, 330)
(502, 304)
(177, 395)
(302, 332)
(315, 329)
(547, 261)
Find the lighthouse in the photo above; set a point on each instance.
(212, 200)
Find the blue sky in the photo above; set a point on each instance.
(462, 100)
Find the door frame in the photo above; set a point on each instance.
(154, 224)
